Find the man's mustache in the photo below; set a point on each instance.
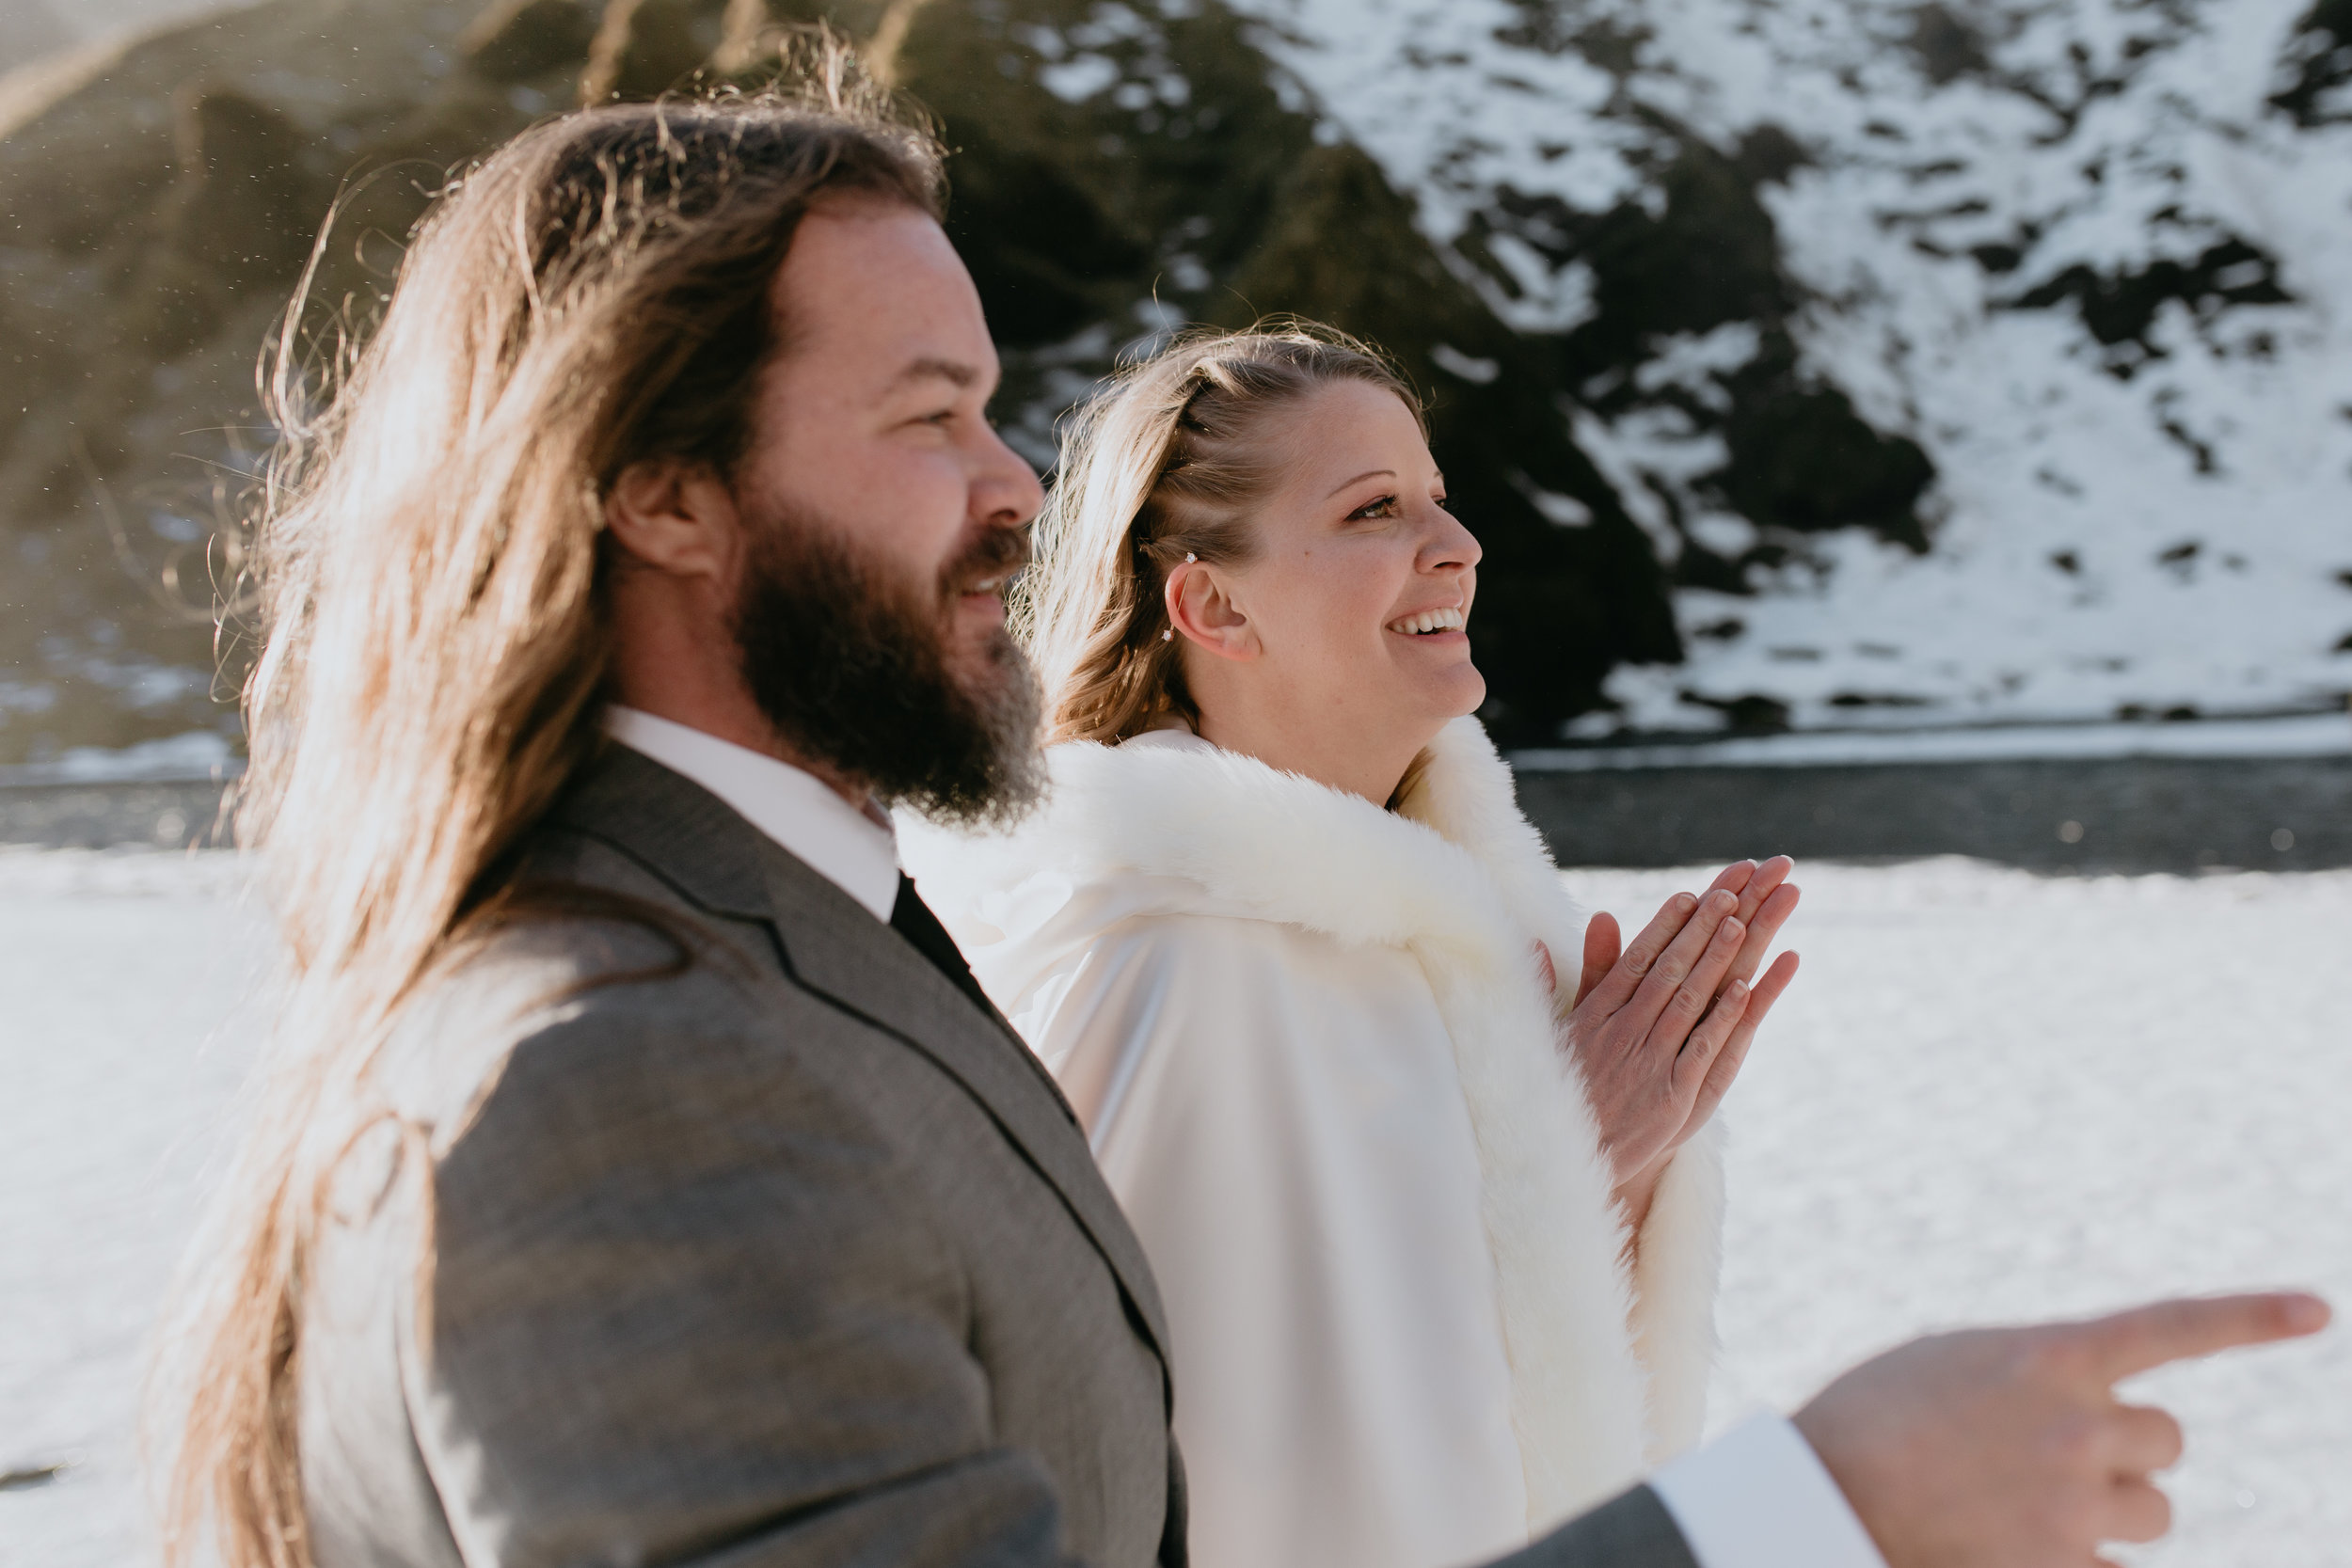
(997, 553)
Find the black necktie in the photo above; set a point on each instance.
(913, 919)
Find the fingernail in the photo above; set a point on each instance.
(2307, 1314)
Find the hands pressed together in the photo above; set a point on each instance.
(1659, 1028)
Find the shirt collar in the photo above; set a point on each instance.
(856, 851)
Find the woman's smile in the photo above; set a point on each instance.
(1445, 624)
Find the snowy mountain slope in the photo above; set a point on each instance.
(2089, 255)
(1812, 363)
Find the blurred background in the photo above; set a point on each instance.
(1897, 430)
(1802, 363)
(1841, 368)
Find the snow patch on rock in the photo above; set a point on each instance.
(2077, 253)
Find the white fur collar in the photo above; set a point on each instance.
(1235, 836)
(1601, 1383)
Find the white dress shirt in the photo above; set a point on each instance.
(1760, 1498)
(1755, 1498)
(855, 851)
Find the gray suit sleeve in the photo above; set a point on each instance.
(1634, 1530)
(686, 1309)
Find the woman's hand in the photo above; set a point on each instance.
(1661, 1029)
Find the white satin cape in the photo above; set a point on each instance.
(1319, 1067)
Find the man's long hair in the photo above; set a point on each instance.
(433, 603)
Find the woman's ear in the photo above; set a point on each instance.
(676, 517)
(1201, 609)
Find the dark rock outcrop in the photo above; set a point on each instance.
(2318, 66)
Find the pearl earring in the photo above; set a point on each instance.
(1169, 635)
(1189, 556)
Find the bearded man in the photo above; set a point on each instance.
(641, 1179)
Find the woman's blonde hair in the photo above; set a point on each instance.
(1169, 462)
(432, 568)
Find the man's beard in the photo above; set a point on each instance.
(851, 664)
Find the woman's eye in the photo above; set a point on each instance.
(1384, 507)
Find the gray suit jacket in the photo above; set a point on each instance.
(717, 1225)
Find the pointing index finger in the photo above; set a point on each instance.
(2146, 1337)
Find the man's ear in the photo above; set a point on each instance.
(675, 516)
(1201, 606)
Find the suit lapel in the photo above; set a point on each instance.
(833, 945)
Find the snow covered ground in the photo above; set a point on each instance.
(118, 974)
(1990, 1096)
(1994, 1096)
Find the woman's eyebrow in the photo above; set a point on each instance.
(1369, 473)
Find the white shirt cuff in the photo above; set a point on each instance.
(1758, 1497)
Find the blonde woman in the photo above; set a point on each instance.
(1290, 946)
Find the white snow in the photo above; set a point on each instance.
(1080, 78)
(1990, 1096)
(1995, 1097)
(2111, 133)
(122, 974)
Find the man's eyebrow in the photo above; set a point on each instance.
(1369, 473)
(952, 370)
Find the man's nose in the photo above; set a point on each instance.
(1007, 493)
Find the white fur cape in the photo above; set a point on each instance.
(1607, 1374)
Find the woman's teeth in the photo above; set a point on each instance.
(1428, 621)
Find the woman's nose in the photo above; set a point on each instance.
(1450, 547)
